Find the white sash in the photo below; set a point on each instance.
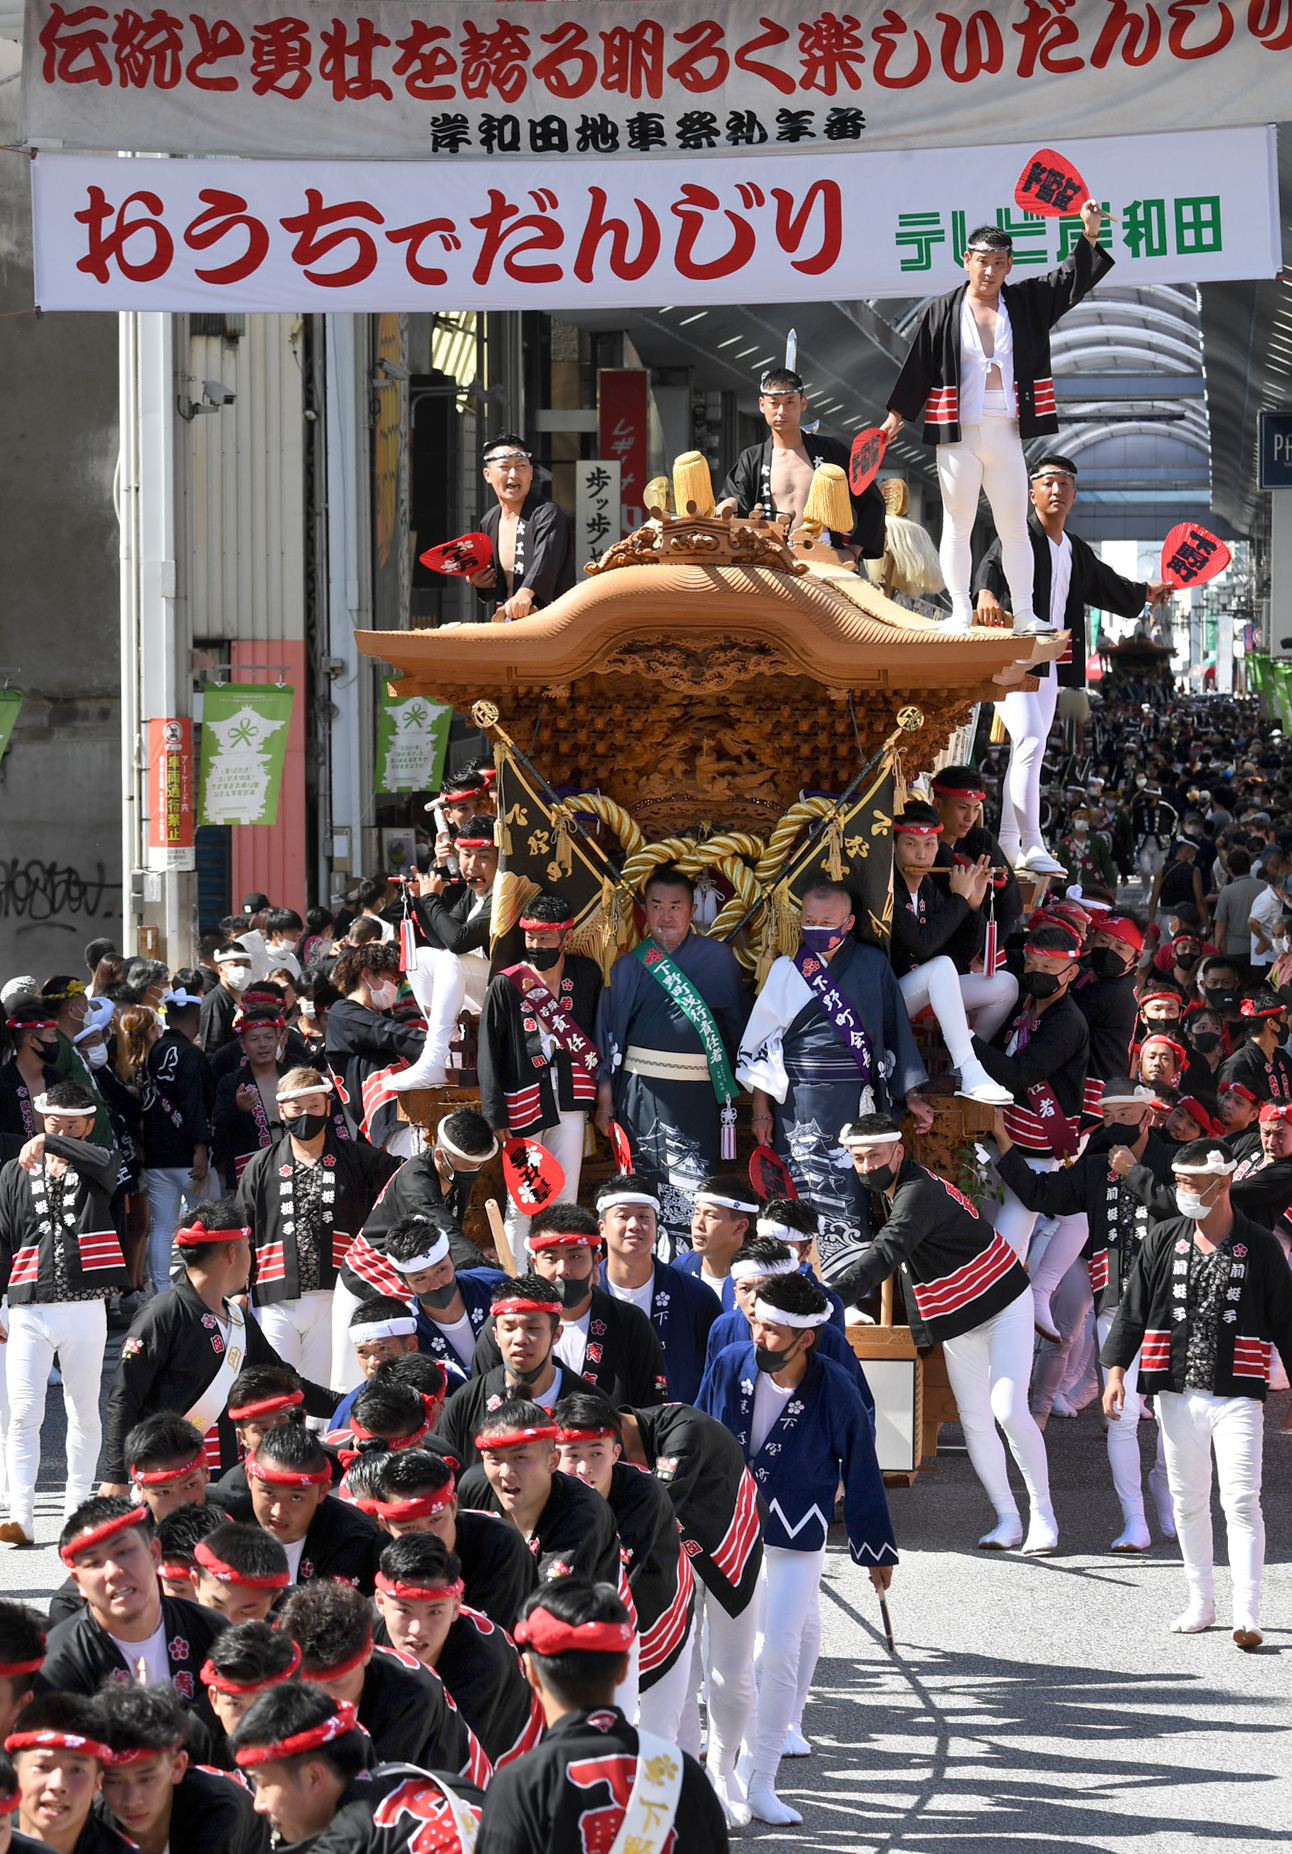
(656, 1792)
(210, 1405)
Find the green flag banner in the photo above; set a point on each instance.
(244, 741)
(10, 703)
(412, 738)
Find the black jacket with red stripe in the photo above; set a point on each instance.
(80, 1655)
(1154, 1320)
(519, 1087)
(956, 1272)
(1056, 1052)
(355, 1173)
(90, 1243)
(623, 1360)
(482, 1675)
(929, 383)
(701, 1467)
(660, 1580)
(1091, 583)
(415, 1190)
(364, 1049)
(574, 1535)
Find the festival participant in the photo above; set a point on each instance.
(185, 1349)
(593, 1771)
(305, 1198)
(1161, 1063)
(776, 475)
(1208, 1296)
(59, 1756)
(537, 1057)
(1261, 1184)
(385, 1415)
(1262, 1064)
(290, 1477)
(246, 1115)
(22, 1651)
(420, 1604)
(166, 1461)
(245, 1661)
(178, 1535)
(221, 1004)
(803, 1428)
(176, 1139)
(933, 935)
(153, 1789)
(526, 1322)
(569, 1529)
(978, 371)
(417, 1493)
(959, 794)
(366, 1049)
(60, 1260)
(608, 1343)
(726, 1209)
(533, 546)
(381, 1328)
(239, 1572)
(1238, 1111)
(1105, 996)
(763, 1258)
(660, 1584)
(829, 1037)
(464, 795)
(679, 1307)
(1153, 824)
(794, 1221)
(307, 1759)
(668, 1027)
(399, 1703)
(451, 972)
(28, 1073)
(450, 1305)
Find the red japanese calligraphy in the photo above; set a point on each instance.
(280, 58)
(216, 41)
(1266, 21)
(887, 35)
(567, 44)
(147, 48)
(340, 49)
(831, 49)
(984, 47)
(547, 236)
(1045, 29)
(632, 59)
(66, 38)
(773, 35)
(691, 209)
(791, 225)
(1141, 37)
(496, 59)
(415, 236)
(1181, 13)
(422, 1799)
(704, 43)
(598, 1827)
(225, 213)
(105, 245)
(313, 243)
(616, 230)
(423, 62)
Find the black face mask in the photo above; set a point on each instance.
(880, 1179)
(48, 1051)
(1038, 984)
(532, 1375)
(1223, 1000)
(767, 1360)
(1204, 1041)
(439, 1297)
(571, 1293)
(1105, 963)
(1162, 1026)
(542, 958)
(306, 1126)
(1186, 961)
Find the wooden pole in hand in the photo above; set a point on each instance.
(499, 1232)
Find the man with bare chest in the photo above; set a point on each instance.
(533, 548)
(778, 472)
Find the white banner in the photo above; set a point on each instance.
(387, 236)
(403, 79)
(598, 521)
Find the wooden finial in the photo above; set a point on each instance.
(829, 505)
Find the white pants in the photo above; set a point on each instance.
(77, 1331)
(1015, 1222)
(565, 1143)
(1123, 1442)
(989, 456)
(722, 1662)
(1028, 718)
(443, 982)
(938, 983)
(627, 1692)
(1193, 1424)
(788, 1589)
(989, 1367)
(660, 1707)
(346, 1370)
(1071, 1306)
(300, 1331)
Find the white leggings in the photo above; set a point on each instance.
(300, 1331)
(1071, 1308)
(77, 1331)
(938, 983)
(1015, 1222)
(1193, 1424)
(722, 1663)
(1028, 719)
(989, 1367)
(346, 1371)
(660, 1706)
(989, 456)
(1123, 1442)
(442, 982)
(565, 1143)
(788, 1591)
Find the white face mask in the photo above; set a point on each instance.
(236, 976)
(1190, 1204)
(383, 995)
(96, 1056)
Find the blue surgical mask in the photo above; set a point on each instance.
(822, 939)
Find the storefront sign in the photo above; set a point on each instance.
(244, 741)
(170, 794)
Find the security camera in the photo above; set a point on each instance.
(217, 394)
(392, 370)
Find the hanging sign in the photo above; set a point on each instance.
(244, 742)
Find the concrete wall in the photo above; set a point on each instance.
(60, 865)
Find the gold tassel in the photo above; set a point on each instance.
(511, 895)
(999, 732)
(829, 505)
(789, 933)
(692, 484)
(899, 786)
(834, 856)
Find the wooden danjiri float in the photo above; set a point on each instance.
(680, 705)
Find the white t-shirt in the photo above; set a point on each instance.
(974, 366)
(546, 1398)
(461, 1336)
(716, 1282)
(572, 1341)
(640, 1297)
(1060, 578)
(294, 1558)
(769, 1401)
(1267, 909)
(153, 1653)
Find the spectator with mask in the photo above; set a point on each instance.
(220, 1006)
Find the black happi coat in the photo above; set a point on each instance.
(453, 921)
(209, 1810)
(1056, 1053)
(1109, 1008)
(482, 1675)
(701, 1467)
(237, 1135)
(466, 1409)
(215, 1024)
(656, 1565)
(497, 1570)
(683, 1311)
(18, 1121)
(174, 1101)
(575, 1535)
(750, 482)
(623, 1359)
(1092, 583)
(355, 1171)
(80, 1655)
(1006, 902)
(929, 384)
(933, 921)
(342, 1544)
(544, 553)
(396, 1809)
(1268, 1078)
(404, 1710)
(416, 1189)
(362, 1049)
(90, 1243)
(519, 1087)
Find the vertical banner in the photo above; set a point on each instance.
(621, 424)
(10, 703)
(1225, 654)
(170, 794)
(412, 739)
(596, 510)
(244, 739)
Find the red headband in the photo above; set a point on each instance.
(1196, 1111)
(917, 830)
(955, 788)
(419, 1593)
(242, 1022)
(138, 1753)
(223, 1684)
(1276, 1110)
(1163, 995)
(158, 1477)
(425, 1506)
(175, 1570)
(517, 1438)
(58, 1741)
(528, 925)
(23, 1026)
(137, 1516)
(335, 1671)
(286, 1401)
(1250, 1008)
(1122, 929)
(474, 843)
(546, 1634)
(358, 1433)
(516, 1303)
(248, 1580)
(194, 1234)
(562, 1239)
(587, 1435)
(287, 1477)
(1170, 1042)
(10, 1802)
(23, 1667)
(1238, 1088)
(341, 1722)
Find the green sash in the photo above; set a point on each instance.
(688, 1000)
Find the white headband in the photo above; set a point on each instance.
(384, 1329)
(182, 998)
(726, 1203)
(98, 1017)
(626, 1196)
(751, 1270)
(411, 1264)
(455, 1152)
(42, 1107)
(767, 1226)
(1217, 1165)
(301, 1094)
(776, 1316)
(1135, 1098)
(860, 1142)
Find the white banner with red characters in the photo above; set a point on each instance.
(386, 235)
(464, 79)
